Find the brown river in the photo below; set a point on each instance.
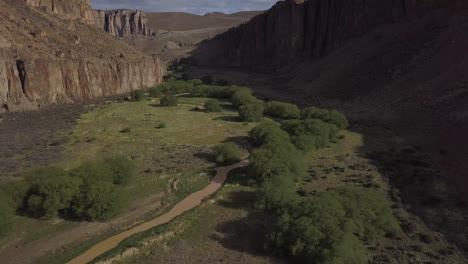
(185, 205)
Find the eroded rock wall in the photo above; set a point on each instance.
(293, 30)
(122, 23)
(66, 9)
(26, 85)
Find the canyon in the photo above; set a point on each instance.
(51, 52)
(396, 64)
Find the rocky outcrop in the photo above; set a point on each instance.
(44, 60)
(295, 29)
(30, 84)
(66, 9)
(122, 23)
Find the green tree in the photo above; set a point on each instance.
(169, 100)
(228, 153)
(50, 196)
(244, 97)
(122, 169)
(97, 200)
(328, 116)
(282, 110)
(277, 159)
(212, 105)
(310, 134)
(268, 132)
(251, 112)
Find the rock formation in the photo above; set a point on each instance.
(122, 23)
(298, 29)
(66, 9)
(45, 60)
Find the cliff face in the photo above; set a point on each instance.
(122, 23)
(66, 9)
(46, 60)
(295, 29)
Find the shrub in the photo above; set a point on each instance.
(162, 125)
(212, 105)
(251, 112)
(278, 193)
(227, 154)
(169, 100)
(310, 134)
(138, 95)
(126, 130)
(155, 92)
(282, 110)
(268, 132)
(277, 159)
(328, 116)
(330, 227)
(17, 192)
(91, 172)
(50, 196)
(243, 97)
(122, 169)
(96, 201)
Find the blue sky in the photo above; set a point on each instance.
(191, 6)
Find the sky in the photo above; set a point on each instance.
(191, 6)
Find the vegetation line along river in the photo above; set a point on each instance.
(185, 205)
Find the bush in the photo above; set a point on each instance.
(310, 134)
(169, 100)
(278, 193)
(154, 92)
(282, 110)
(268, 132)
(122, 170)
(251, 112)
(227, 154)
(212, 105)
(277, 159)
(91, 172)
(96, 201)
(243, 97)
(330, 227)
(328, 116)
(138, 95)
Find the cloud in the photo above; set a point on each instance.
(191, 6)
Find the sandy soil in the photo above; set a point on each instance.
(187, 204)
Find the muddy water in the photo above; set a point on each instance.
(187, 204)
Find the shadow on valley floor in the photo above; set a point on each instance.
(416, 186)
(235, 119)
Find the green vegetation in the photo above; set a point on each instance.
(282, 110)
(138, 95)
(241, 98)
(328, 116)
(228, 153)
(332, 226)
(268, 132)
(212, 105)
(251, 112)
(88, 192)
(311, 134)
(169, 100)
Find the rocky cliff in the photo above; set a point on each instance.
(295, 29)
(45, 59)
(66, 9)
(122, 23)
